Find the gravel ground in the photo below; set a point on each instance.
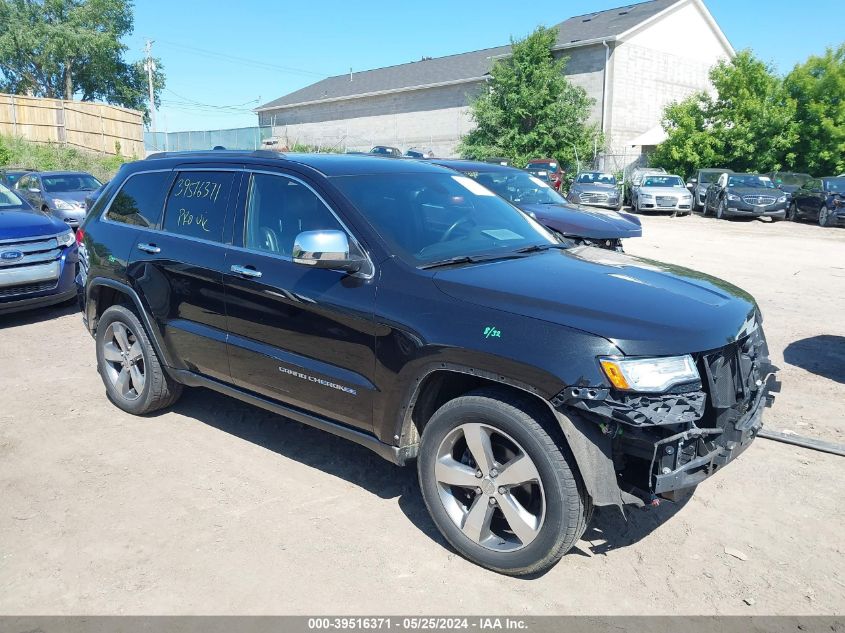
(217, 507)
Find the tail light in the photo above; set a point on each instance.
(80, 235)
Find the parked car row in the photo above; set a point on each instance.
(776, 195)
(405, 306)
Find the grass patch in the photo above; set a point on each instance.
(20, 153)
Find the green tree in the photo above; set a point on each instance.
(748, 125)
(71, 48)
(530, 110)
(818, 88)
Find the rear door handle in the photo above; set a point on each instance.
(246, 271)
(149, 248)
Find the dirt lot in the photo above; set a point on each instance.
(217, 507)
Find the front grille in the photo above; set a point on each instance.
(593, 198)
(34, 251)
(13, 291)
(734, 374)
(760, 201)
(666, 201)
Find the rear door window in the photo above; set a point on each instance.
(140, 200)
(196, 206)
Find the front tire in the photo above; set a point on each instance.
(127, 362)
(720, 209)
(824, 217)
(498, 486)
(792, 212)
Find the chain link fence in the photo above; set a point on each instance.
(235, 138)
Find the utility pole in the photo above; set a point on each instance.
(150, 67)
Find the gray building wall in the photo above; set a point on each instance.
(433, 118)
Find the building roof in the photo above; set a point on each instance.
(467, 67)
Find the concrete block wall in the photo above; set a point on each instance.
(433, 118)
(644, 82)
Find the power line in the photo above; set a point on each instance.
(243, 60)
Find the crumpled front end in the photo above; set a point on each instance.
(662, 443)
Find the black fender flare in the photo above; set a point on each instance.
(590, 447)
(152, 331)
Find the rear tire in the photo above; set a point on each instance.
(129, 366)
(525, 529)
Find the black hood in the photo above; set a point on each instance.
(578, 221)
(642, 306)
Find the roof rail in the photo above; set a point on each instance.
(258, 153)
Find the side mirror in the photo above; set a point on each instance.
(326, 249)
(691, 184)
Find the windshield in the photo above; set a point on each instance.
(791, 179)
(663, 181)
(759, 182)
(543, 165)
(518, 187)
(13, 176)
(8, 198)
(836, 185)
(69, 182)
(596, 177)
(427, 218)
(706, 177)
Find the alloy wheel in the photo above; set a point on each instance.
(490, 487)
(823, 215)
(124, 361)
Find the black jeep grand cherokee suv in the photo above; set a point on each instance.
(407, 308)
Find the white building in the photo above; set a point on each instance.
(632, 61)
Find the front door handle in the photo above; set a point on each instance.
(246, 271)
(149, 248)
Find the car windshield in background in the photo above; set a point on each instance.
(707, 177)
(428, 218)
(792, 179)
(12, 177)
(596, 177)
(70, 182)
(519, 187)
(759, 182)
(8, 198)
(663, 181)
(836, 185)
(552, 167)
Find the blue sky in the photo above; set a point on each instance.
(222, 59)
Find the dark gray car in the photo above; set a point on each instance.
(596, 189)
(60, 193)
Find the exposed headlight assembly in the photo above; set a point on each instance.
(67, 238)
(61, 204)
(649, 374)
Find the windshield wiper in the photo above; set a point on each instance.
(537, 248)
(472, 259)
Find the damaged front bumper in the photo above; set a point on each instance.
(651, 445)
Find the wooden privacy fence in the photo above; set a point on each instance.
(96, 127)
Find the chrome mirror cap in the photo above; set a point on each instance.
(325, 249)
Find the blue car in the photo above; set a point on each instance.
(38, 256)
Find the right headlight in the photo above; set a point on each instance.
(66, 238)
(62, 204)
(734, 197)
(649, 374)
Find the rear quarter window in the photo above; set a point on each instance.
(140, 200)
(196, 206)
